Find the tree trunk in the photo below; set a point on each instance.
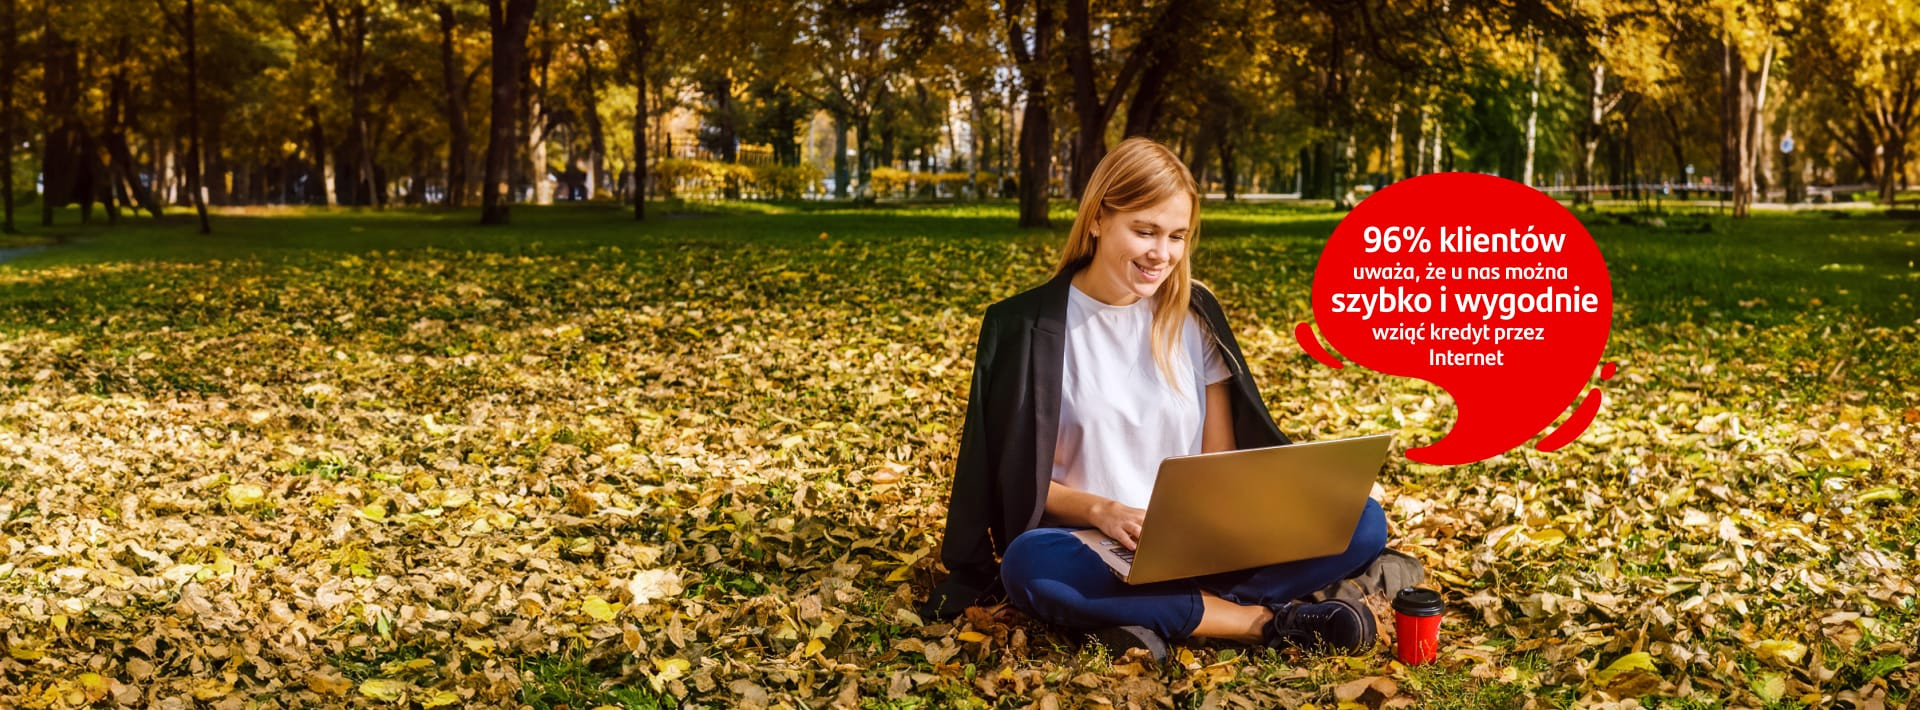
(1756, 140)
(193, 125)
(1342, 114)
(863, 155)
(1392, 152)
(1423, 130)
(456, 110)
(64, 159)
(354, 158)
(1229, 169)
(509, 21)
(976, 116)
(1036, 127)
(640, 31)
(1590, 133)
(9, 42)
(213, 168)
(840, 175)
(123, 174)
(1676, 140)
(724, 142)
(319, 178)
(1533, 114)
(1156, 60)
(596, 133)
(417, 178)
(536, 125)
(1737, 123)
(1090, 144)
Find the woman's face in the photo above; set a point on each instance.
(1136, 251)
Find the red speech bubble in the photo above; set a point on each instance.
(1481, 285)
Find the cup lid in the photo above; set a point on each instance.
(1417, 601)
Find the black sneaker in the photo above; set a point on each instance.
(1334, 625)
(1120, 639)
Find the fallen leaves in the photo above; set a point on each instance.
(651, 584)
(650, 468)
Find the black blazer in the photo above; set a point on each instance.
(1012, 422)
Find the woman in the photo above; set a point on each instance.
(1080, 388)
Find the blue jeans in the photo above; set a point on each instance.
(1053, 576)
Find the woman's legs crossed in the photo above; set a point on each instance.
(1285, 582)
(1056, 578)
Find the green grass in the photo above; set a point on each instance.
(567, 681)
(1759, 271)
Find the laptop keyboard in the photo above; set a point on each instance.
(1122, 552)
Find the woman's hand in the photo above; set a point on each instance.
(1119, 521)
(1079, 508)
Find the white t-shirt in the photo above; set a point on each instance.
(1118, 415)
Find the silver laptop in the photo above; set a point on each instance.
(1234, 510)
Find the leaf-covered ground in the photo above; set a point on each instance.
(380, 458)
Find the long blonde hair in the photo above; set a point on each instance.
(1137, 174)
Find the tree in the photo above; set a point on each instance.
(641, 46)
(9, 68)
(509, 21)
(856, 49)
(1748, 32)
(1036, 125)
(184, 25)
(1863, 57)
(347, 23)
(1094, 109)
(455, 101)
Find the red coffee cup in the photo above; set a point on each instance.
(1416, 625)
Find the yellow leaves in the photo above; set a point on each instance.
(25, 652)
(385, 689)
(411, 665)
(755, 488)
(1217, 673)
(328, 682)
(936, 652)
(667, 670)
(86, 689)
(1785, 652)
(1770, 687)
(1882, 493)
(375, 511)
(395, 690)
(483, 647)
(599, 609)
(1184, 656)
(94, 686)
(1629, 675)
(1509, 539)
(245, 496)
(209, 688)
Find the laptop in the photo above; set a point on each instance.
(1235, 510)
